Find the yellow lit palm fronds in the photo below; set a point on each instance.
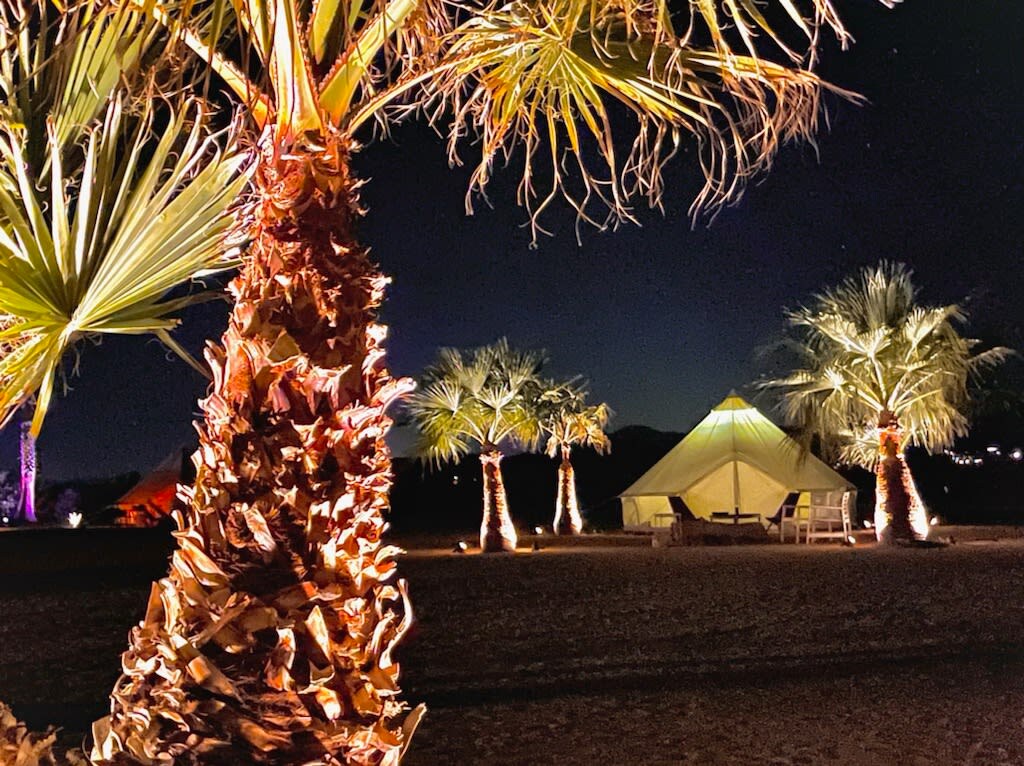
(98, 250)
(314, 65)
(870, 350)
(568, 420)
(486, 397)
(61, 64)
(541, 75)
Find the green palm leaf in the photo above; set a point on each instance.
(98, 251)
(61, 65)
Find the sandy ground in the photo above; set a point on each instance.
(746, 655)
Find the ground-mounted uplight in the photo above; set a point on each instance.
(5, 520)
(74, 519)
(460, 547)
(1017, 454)
(850, 541)
(934, 521)
(538, 530)
(868, 524)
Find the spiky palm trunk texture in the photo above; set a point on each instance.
(497, 533)
(270, 640)
(27, 450)
(567, 508)
(896, 502)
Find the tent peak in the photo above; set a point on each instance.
(733, 402)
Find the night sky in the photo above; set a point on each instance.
(662, 319)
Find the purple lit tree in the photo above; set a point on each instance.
(28, 472)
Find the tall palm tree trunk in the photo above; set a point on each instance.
(497, 533)
(270, 640)
(28, 467)
(567, 509)
(898, 509)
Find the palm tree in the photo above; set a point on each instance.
(292, 468)
(568, 421)
(879, 372)
(487, 399)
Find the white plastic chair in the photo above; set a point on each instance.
(828, 516)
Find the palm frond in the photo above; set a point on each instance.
(873, 353)
(487, 396)
(98, 251)
(63, 64)
(542, 75)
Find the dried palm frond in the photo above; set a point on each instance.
(20, 747)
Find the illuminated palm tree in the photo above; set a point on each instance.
(879, 372)
(570, 421)
(487, 400)
(292, 468)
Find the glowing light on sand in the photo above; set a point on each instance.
(74, 519)
(538, 530)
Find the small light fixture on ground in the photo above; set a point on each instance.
(460, 547)
(74, 519)
(934, 521)
(538, 530)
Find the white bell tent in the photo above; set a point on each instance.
(734, 461)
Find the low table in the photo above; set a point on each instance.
(724, 517)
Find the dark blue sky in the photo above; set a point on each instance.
(663, 319)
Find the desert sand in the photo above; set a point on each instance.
(742, 655)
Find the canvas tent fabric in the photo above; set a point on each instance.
(153, 497)
(734, 460)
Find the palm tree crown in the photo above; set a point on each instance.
(569, 421)
(101, 214)
(872, 355)
(486, 397)
(541, 74)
